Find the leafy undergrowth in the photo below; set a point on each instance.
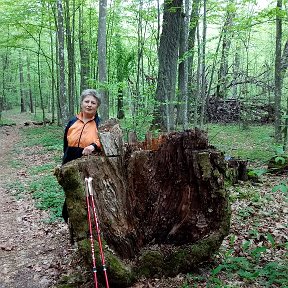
(255, 252)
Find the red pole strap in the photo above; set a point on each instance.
(92, 202)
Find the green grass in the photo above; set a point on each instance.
(44, 187)
(4, 122)
(45, 168)
(15, 163)
(253, 144)
(15, 116)
(49, 195)
(16, 189)
(50, 137)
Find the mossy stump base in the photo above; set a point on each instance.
(161, 203)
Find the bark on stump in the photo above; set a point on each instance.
(162, 205)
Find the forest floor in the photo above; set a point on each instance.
(36, 253)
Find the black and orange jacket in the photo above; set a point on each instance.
(79, 135)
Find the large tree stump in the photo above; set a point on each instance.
(162, 205)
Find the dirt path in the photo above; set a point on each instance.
(32, 253)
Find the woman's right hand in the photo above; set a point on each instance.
(88, 150)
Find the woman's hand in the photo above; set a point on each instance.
(88, 150)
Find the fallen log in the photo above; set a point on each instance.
(161, 203)
(278, 164)
(37, 123)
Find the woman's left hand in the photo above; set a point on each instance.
(88, 150)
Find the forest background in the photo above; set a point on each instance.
(157, 65)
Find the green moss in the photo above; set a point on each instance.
(185, 258)
(67, 285)
(222, 192)
(151, 263)
(84, 248)
(70, 281)
(177, 259)
(71, 172)
(75, 199)
(120, 274)
(230, 177)
(216, 173)
(204, 162)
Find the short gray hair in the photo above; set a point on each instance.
(91, 92)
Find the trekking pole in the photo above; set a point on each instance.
(94, 269)
(90, 188)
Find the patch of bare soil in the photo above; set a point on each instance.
(32, 252)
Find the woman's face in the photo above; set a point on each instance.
(89, 106)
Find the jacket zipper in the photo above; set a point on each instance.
(81, 133)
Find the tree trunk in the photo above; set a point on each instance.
(284, 66)
(192, 87)
(167, 72)
(236, 69)
(1, 107)
(121, 74)
(198, 77)
(31, 105)
(221, 90)
(158, 25)
(5, 65)
(84, 53)
(139, 85)
(21, 82)
(64, 113)
(70, 25)
(278, 78)
(53, 82)
(182, 103)
(161, 204)
(203, 65)
(120, 104)
(102, 59)
(39, 76)
(56, 74)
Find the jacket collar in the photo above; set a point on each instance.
(80, 117)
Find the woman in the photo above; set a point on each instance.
(81, 133)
